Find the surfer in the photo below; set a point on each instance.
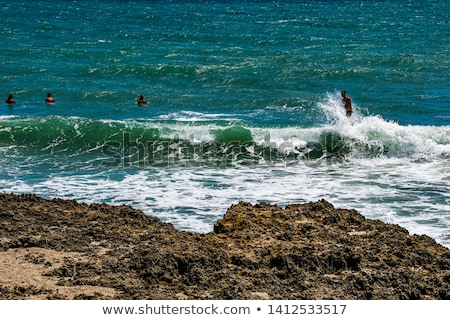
(10, 100)
(50, 99)
(347, 101)
(142, 101)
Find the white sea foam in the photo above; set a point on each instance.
(412, 194)
(402, 141)
(193, 116)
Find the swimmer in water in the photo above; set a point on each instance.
(10, 100)
(142, 101)
(50, 99)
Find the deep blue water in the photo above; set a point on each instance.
(244, 104)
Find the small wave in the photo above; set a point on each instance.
(222, 143)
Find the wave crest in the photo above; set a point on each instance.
(210, 143)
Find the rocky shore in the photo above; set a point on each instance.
(61, 249)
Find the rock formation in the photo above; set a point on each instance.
(61, 249)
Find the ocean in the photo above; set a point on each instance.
(244, 104)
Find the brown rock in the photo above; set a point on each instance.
(60, 249)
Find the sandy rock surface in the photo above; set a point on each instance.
(61, 249)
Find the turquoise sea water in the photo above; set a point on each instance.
(244, 104)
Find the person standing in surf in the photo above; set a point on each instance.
(347, 101)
